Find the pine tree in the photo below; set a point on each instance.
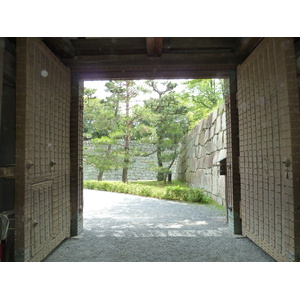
(169, 118)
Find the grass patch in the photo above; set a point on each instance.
(218, 206)
(176, 190)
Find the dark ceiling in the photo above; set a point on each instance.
(141, 58)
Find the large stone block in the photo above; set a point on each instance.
(188, 160)
(209, 161)
(208, 184)
(209, 147)
(218, 124)
(201, 163)
(222, 154)
(193, 164)
(198, 151)
(223, 122)
(206, 136)
(214, 116)
(225, 138)
(222, 186)
(199, 175)
(215, 141)
(196, 129)
(209, 120)
(195, 148)
(215, 181)
(212, 131)
(202, 151)
(201, 125)
(220, 144)
(216, 157)
(188, 176)
(201, 138)
(190, 152)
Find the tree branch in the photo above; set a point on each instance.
(145, 155)
(200, 101)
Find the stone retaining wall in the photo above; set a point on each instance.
(202, 150)
(141, 169)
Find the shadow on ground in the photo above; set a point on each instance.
(126, 228)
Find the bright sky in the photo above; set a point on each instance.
(99, 85)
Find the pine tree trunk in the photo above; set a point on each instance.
(127, 137)
(165, 178)
(125, 171)
(100, 176)
(160, 176)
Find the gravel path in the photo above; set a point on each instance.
(126, 228)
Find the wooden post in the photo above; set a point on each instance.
(233, 193)
(2, 45)
(76, 148)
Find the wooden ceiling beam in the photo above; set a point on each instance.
(62, 47)
(193, 59)
(154, 46)
(186, 44)
(245, 46)
(109, 46)
(154, 74)
(155, 67)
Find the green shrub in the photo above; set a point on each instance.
(174, 192)
(165, 192)
(186, 194)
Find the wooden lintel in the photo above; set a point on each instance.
(154, 74)
(187, 66)
(7, 172)
(196, 57)
(171, 62)
(62, 47)
(154, 67)
(154, 46)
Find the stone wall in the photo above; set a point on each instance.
(202, 150)
(141, 169)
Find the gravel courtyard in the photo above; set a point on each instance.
(126, 228)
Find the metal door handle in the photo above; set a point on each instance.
(287, 162)
(29, 164)
(52, 163)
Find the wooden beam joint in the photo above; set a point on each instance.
(154, 46)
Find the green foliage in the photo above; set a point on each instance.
(89, 93)
(112, 123)
(98, 118)
(186, 194)
(203, 96)
(161, 184)
(168, 115)
(102, 156)
(178, 193)
(217, 206)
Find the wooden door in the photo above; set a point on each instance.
(269, 124)
(42, 203)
